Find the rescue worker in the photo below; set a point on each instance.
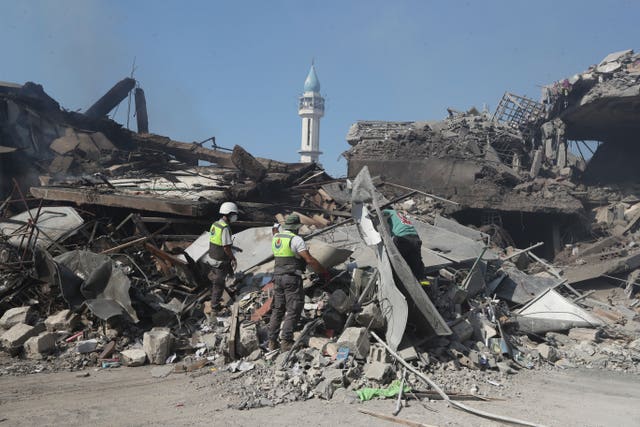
(406, 240)
(291, 258)
(221, 258)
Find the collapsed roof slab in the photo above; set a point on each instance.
(139, 202)
(458, 180)
(604, 119)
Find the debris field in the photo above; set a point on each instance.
(530, 247)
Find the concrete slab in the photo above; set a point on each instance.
(54, 222)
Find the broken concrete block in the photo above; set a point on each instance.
(324, 390)
(133, 357)
(16, 315)
(547, 352)
(357, 340)
(333, 375)
(585, 334)
(42, 344)
(331, 349)
(371, 317)
(556, 338)
(13, 339)
(463, 330)
(536, 163)
(86, 346)
(157, 345)
(255, 355)
(318, 342)
(64, 320)
(209, 340)
(377, 353)
(248, 341)
(376, 371)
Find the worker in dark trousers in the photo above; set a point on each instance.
(291, 258)
(406, 240)
(220, 256)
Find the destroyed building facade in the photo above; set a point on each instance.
(514, 168)
(103, 231)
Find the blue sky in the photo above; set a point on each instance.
(235, 69)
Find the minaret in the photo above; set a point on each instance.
(310, 109)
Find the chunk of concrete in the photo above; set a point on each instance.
(248, 341)
(585, 334)
(64, 320)
(13, 339)
(463, 330)
(86, 346)
(157, 345)
(331, 349)
(371, 317)
(547, 352)
(377, 371)
(357, 340)
(16, 315)
(133, 357)
(210, 340)
(40, 345)
(377, 353)
(318, 342)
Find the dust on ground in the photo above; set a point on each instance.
(131, 396)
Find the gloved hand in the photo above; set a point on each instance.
(234, 264)
(326, 277)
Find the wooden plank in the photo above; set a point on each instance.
(233, 330)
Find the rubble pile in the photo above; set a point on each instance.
(102, 256)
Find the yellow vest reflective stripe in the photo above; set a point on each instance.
(281, 245)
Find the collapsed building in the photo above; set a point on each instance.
(513, 168)
(102, 231)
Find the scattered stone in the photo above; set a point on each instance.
(547, 352)
(331, 349)
(377, 353)
(463, 330)
(86, 346)
(325, 389)
(585, 334)
(157, 344)
(255, 355)
(555, 339)
(38, 346)
(248, 341)
(371, 317)
(64, 320)
(13, 339)
(133, 357)
(379, 372)
(210, 340)
(318, 342)
(357, 340)
(16, 315)
(564, 364)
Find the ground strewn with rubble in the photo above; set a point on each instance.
(526, 311)
(134, 397)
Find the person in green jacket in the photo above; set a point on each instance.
(406, 240)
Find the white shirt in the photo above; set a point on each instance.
(298, 245)
(226, 237)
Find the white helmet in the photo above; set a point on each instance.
(228, 207)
